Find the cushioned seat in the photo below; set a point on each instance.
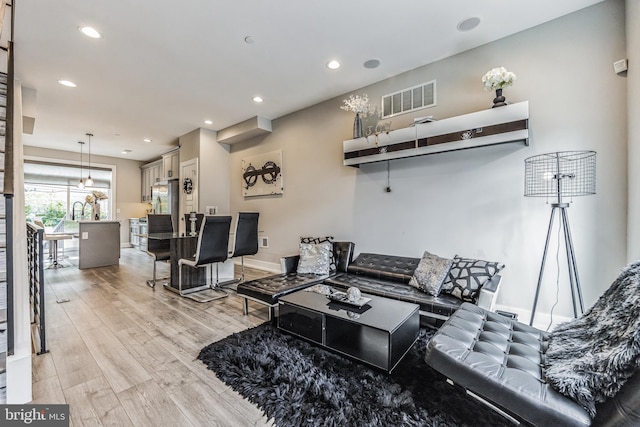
(268, 290)
(501, 359)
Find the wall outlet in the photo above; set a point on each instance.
(85, 235)
(264, 242)
(211, 210)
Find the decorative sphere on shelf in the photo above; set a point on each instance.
(353, 294)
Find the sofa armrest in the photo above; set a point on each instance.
(489, 293)
(289, 264)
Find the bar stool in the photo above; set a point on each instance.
(53, 239)
(158, 249)
(245, 240)
(213, 247)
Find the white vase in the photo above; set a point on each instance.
(95, 212)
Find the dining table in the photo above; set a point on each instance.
(184, 245)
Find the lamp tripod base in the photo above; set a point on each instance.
(574, 280)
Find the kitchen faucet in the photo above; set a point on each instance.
(73, 211)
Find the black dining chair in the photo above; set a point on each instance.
(245, 240)
(158, 249)
(187, 222)
(213, 247)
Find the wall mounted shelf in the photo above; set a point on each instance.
(489, 127)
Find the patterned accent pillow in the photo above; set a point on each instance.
(466, 277)
(315, 258)
(430, 273)
(316, 240)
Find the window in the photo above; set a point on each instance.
(52, 194)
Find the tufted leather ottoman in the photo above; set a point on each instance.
(267, 290)
(501, 360)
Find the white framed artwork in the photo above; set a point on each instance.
(262, 174)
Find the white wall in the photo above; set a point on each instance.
(19, 386)
(633, 103)
(214, 170)
(469, 203)
(127, 184)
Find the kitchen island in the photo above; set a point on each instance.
(99, 243)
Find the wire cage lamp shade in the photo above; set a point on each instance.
(560, 174)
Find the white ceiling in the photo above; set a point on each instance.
(163, 67)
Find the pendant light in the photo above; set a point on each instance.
(89, 181)
(81, 183)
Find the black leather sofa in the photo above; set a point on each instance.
(382, 275)
(389, 275)
(500, 361)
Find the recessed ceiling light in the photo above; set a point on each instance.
(90, 32)
(333, 65)
(147, 140)
(126, 151)
(67, 83)
(372, 63)
(208, 122)
(257, 99)
(468, 24)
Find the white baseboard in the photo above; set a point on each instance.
(260, 265)
(541, 320)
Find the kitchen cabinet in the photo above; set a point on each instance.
(171, 165)
(151, 174)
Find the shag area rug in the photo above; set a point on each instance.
(297, 383)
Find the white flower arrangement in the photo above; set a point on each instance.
(358, 104)
(95, 196)
(498, 78)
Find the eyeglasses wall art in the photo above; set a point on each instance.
(262, 174)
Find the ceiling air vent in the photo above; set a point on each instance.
(410, 99)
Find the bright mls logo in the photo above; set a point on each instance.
(34, 415)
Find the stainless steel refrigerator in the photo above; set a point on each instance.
(165, 198)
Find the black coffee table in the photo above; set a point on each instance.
(379, 333)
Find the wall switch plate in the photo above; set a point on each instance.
(85, 235)
(117, 210)
(264, 242)
(211, 210)
(620, 66)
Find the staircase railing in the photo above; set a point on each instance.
(8, 192)
(35, 263)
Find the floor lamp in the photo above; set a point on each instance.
(561, 175)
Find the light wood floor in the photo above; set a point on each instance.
(121, 353)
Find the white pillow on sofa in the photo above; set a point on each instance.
(315, 258)
(430, 273)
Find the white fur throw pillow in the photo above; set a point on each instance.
(430, 273)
